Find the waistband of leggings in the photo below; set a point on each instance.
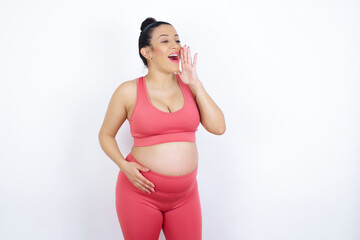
(131, 158)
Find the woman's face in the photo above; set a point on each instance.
(165, 42)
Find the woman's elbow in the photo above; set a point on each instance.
(221, 131)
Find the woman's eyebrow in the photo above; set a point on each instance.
(167, 35)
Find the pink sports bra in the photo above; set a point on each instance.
(149, 125)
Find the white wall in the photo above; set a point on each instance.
(285, 74)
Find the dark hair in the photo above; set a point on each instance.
(147, 28)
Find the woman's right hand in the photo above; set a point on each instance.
(132, 172)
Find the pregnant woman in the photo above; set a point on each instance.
(156, 186)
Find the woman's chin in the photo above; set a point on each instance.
(175, 69)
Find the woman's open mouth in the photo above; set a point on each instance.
(174, 57)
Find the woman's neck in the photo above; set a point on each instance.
(162, 80)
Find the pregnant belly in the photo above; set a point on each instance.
(172, 158)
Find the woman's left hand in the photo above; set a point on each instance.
(188, 74)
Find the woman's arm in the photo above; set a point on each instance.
(114, 118)
(212, 118)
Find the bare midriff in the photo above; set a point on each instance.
(171, 158)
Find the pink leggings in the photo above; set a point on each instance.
(173, 207)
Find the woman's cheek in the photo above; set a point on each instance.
(158, 51)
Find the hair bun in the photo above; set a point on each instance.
(147, 22)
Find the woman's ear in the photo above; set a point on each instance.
(145, 53)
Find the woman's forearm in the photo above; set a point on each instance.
(110, 147)
(212, 118)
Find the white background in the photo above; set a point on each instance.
(285, 74)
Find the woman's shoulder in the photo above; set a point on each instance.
(127, 87)
(127, 91)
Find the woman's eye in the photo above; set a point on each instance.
(178, 41)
